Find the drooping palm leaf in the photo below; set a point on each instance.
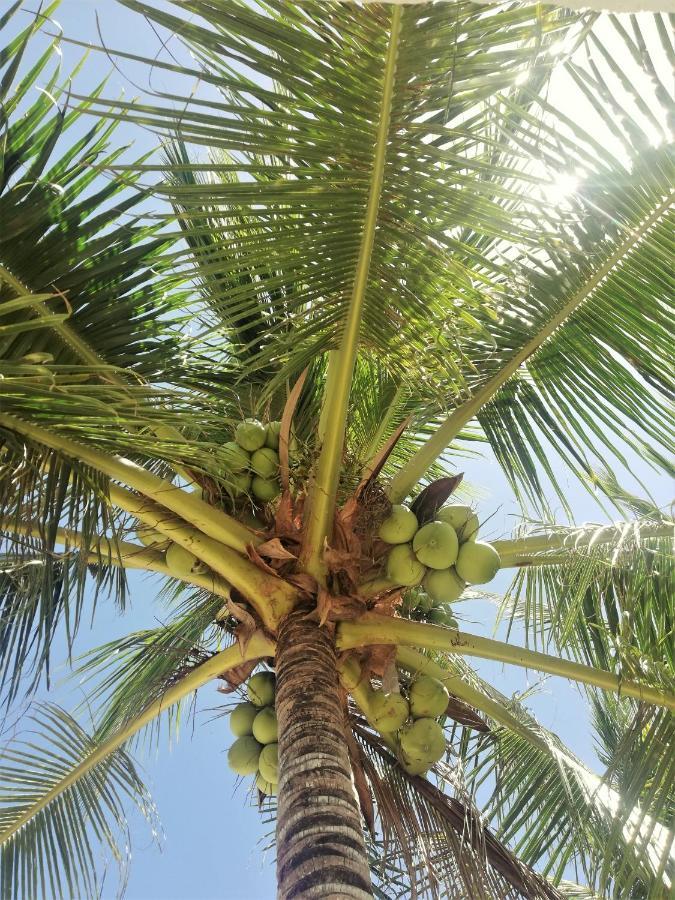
(287, 198)
(436, 836)
(126, 674)
(54, 853)
(553, 810)
(62, 791)
(607, 600)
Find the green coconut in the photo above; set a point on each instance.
(241, 719)
(265, 729)
(239, 484)
(180, 562)
(265, 462)
(265, 787)
(428, 697)
(403, 567)
(268, 763)
(234, 458)
(423, 742)
(250, 435)
(477, 562)
(436, 545)
(419, 767)
(272, 431)
(388, 712)
(265, 489)
(243, 755)
(399, 527)
(443, 585)
(261, 689)
(149, 537)
(469, 531)
(462, 518)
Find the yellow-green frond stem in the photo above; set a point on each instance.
(257, 647)
(271, 597)
(191, 508)
(408, 476)
(540, 550)
(323, 490)
(122, 553)
(376, 629)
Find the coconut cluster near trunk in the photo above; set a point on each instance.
(257, 472)
(410, 720)
(254, 724)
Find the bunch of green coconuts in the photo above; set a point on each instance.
(254, 725)
(252, 460)
(443, 556)
(412, 722)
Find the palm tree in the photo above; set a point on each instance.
(359, 244)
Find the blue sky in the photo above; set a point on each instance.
(213, 834)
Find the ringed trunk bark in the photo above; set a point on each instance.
(320, 846)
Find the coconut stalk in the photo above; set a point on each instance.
(187, 505)
(124, 554)
(540, 549)
(271, 597)
(373, 629)
(323, 490)
(258, 646)
(316, 793)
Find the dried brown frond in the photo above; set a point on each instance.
(440, 839)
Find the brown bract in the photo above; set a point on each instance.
(274, 549)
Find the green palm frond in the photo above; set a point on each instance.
(577, 891)
(73, 242)
(635, 744)
(61, 789)
(611, 604)
(42, 583)
(54, 853)
(284, 197)
(123, 676)
(548, 806)
(566, 366)
(563, 396)
(42, 594)
(555, 812)
(608, 603)
(89, 313)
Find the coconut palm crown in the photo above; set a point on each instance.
(245, 360)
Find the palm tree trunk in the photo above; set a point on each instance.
(320, 846)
